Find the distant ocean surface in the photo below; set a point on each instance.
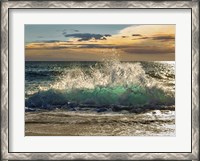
(110, 86)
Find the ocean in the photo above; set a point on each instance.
(139, 95)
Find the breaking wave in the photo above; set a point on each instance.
(105, 84)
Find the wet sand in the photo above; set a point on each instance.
(67, 123)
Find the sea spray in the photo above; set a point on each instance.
(103, 84)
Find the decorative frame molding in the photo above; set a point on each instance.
(6, 5)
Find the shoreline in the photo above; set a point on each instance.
(70, 123)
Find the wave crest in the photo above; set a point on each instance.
(103, 84)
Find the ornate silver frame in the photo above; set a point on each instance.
(6, 5)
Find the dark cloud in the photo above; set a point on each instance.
(138, 35)
(97, 46)
(144, 37)
(87, 36)
(159, 38)
(141, 38)
(124, 36)
(107, 35)
(148, 50)
(133, 49)
(163, 38)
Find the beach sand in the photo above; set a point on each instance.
(72, 123)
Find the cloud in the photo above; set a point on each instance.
(148, 50)
(97, 46)
(148, 30)
(159, 38)
(164, 37)
(58, 47)
(137, 35)
(141, 38)
(65, 45)
(148, 42)
(107, 35)
(124, 36)
(87, 36)
(37, 44)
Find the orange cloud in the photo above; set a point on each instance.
(155, 42)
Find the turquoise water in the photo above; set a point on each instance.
(99, 84)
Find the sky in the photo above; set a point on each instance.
(99, 42)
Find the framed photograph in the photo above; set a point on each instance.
(99, 80)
